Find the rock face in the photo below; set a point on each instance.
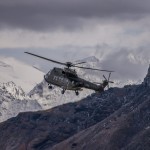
(127, 129)
(116, 119)
(147, 78)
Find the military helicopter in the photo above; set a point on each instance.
(67, 78)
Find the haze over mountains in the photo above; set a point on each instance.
(20, 73)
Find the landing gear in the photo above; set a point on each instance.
(77, 93)
(63, 91)
(49, 86)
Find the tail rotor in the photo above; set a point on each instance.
(107, 81)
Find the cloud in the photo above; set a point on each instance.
(115, 31)
(128, 63)
(66, 14)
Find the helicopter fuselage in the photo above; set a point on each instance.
(67, 79)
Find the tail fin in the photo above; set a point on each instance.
(105, 83)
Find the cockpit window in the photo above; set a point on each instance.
(49, 72)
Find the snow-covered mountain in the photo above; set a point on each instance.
(13, 100)
(49, 98)
(20, 73)
(17, 79)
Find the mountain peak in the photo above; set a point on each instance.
(149, 70)
(14, 90)
(147, 78)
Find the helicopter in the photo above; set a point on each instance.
(67, 78)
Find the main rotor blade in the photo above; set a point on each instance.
(79, 63)
(93, 69)
(37, 68)
(104, 77)
(109, 76)
(46, 58)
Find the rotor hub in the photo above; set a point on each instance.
(69, 64)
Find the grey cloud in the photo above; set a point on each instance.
(125, 67)
(67, 14)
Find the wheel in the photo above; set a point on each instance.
(50, 87)
(63, 91)
(77, 93)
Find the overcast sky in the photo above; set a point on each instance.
(115, 31)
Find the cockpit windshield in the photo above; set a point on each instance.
(49, 73)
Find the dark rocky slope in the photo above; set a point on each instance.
(127, 129)
(120, 117)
